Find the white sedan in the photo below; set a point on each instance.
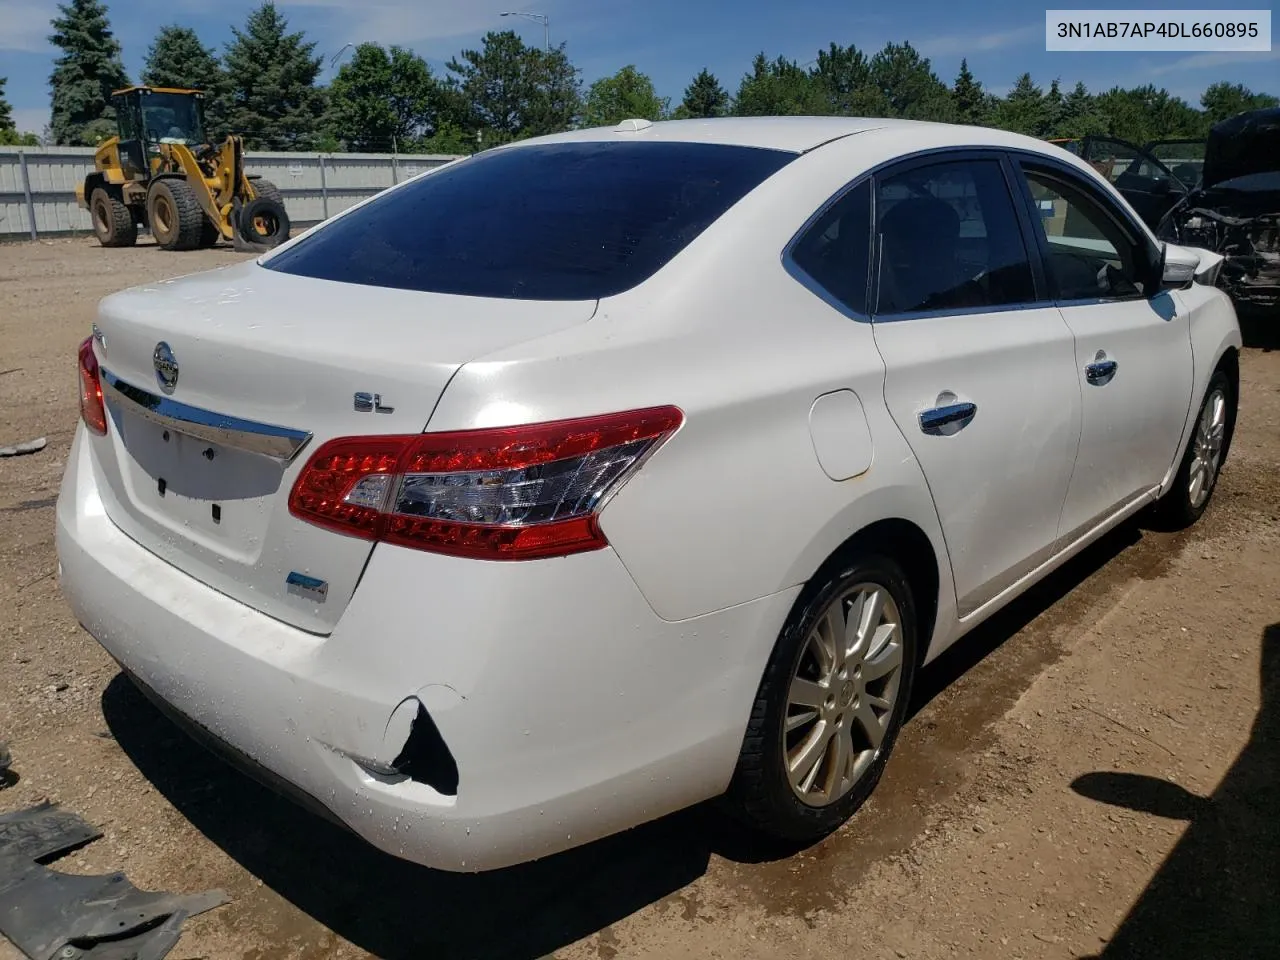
(592, 477)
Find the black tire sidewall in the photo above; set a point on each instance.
(770, 802)
(103, 223)
(263, 206)
(161, 193)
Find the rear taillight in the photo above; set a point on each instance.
(511, 493)
(92, 410)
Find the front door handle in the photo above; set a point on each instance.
(947, 419)
(1100, 372)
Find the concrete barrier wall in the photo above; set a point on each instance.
(37, 184)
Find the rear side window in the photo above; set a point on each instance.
(949, 239)
(836, 250)
(564, 221)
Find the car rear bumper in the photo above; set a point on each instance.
(572, 710)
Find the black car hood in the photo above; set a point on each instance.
(1248, 143)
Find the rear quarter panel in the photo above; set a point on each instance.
(736, 505)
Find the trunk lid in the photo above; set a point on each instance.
(219, 386)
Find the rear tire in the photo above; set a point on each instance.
(833, 698)
(267, 189)
(209, 234)
(1188, 498)
(176, 218)
(112, 220)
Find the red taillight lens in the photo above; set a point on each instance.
(512, 493)
(92, 409)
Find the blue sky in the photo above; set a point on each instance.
(668, 39)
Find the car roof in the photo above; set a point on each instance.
(795, 134)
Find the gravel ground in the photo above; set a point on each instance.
(1093, 773)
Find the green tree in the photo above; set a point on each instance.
(628, 94)
(704, 97)
(972, 105)
(6, 111)
(1147, 113)
(778, 88)
(507, 91)
(1024, 110)
(383, 98)
(85, 73)
(1223, 100)
(1080, 115)
(908, 84)
(177, 58)
(271, 74)
(843, 75)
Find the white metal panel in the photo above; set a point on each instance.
(308, 195)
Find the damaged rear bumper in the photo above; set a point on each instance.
(570, 710)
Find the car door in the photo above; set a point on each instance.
(1133, 364)
(980, 367)
(1148, 185)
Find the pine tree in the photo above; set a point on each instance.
(1023, 110)
(6, 111)
(85, 74)
(972, 105)
(271, 74)
(704, 97)
(177, 58)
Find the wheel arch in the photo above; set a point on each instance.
(906, 543)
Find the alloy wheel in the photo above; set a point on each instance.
(1207, 448)
(842, 694)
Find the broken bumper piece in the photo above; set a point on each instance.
(58, 916)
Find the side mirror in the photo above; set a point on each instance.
(1178, 267)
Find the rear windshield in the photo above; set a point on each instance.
(564, 221)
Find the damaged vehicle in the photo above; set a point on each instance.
(1235, 208)
(1221, 194)
(598, 475)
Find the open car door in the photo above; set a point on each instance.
(1150, 187)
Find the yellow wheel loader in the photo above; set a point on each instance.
(161, 172)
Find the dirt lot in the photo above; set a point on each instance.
(1095, 773)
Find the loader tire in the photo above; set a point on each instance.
(112, 220)
(265, 188)
(176, 218)
(209, 234)
(263, 223)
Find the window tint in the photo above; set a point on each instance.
(1090, 255)
(564, 221)
(836, 250)
(949, 239)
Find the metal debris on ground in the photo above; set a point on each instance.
(58, 916)
(30, 446)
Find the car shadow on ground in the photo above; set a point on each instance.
(395, 909)
(1218, 893)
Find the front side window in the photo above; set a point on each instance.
(1091, 256)
(560, 221)
(949, 239)
(836, 249)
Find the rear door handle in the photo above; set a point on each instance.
(1101, 372)
(955, 415)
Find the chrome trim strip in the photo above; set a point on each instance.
(278, 443)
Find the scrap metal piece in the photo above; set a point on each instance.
(58, 916)
(30, 446)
